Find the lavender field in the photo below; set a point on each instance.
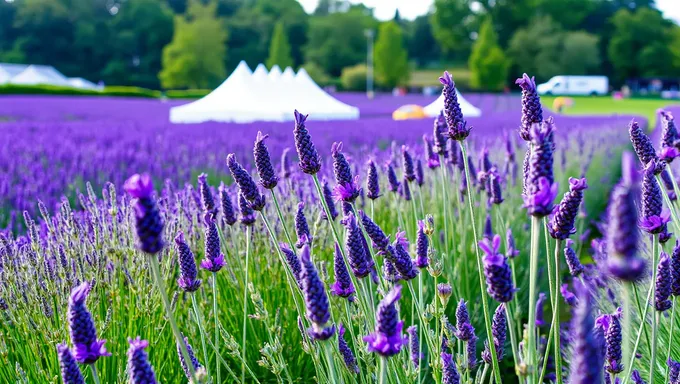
(415, 251)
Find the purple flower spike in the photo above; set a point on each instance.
(406, 190)
(497, 271)
(347, 189)
(372, 183)
(464, 329)
(675, 270)
(668, 183)
(670, 139)
(654, 216)
(301, 227)
(227, 206)
(192, 357)
(586, 360)
(623, 261)
(247, 213)
(148, 219)
(573, 262)
(673, 371)
(245, 183)
(407, 162)
(328, 196)
(187, 265)
(392, 178)
(343, 286)
(310, 162)
(70, 373)
(540, 303)
(562, 222)
(422, 245)
(496, 191)
(414, 345)
(568, 296)
(458, 129)
(293, 262)
(374, 232)
(540, 188)
(498, 330)
(430, 155)
(346, 352)
(214, 259)
(439, 137)
(662, 288)
(387, 340)
(206, 196)
(316, 299)
(511, 251)
(285, 164)
(399, 256)
(488, 228)
(637, 379)
(263, 163)
(86, 347)
(450, 373)
(354, 245)
(420, 175)
(139, 369)
(641, 143)
(532, 111)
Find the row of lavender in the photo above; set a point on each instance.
(48, 155)
(259, 282)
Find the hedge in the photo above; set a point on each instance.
(15, 89)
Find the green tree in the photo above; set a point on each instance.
(391, 58)
(452, 24)
(488, 63)
(192, 60)
(422, 47)
(640, 44)
(580, 53)
(279, 49)
(354, 78)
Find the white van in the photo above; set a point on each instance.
(575, 85)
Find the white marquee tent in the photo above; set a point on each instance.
(247, 96)
(468, 109)
(40, 74)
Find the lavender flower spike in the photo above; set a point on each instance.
(540, 303)
(399, 256)
(187, 280)
(343, 286)
(573, 262)
(438, 137)
(511, 251)
(420, 175)
(245, 183)
(464, 330)
(247, 213)
(214, 258)
(293, 262)
(285, 165)
(532, 111)
(497, 271)
(139, 369)
(347, 189)
(673, 371)
(392, 178)
(316, 299)
(562, 222)
(662, 291)
(86, 347)
(387, 340)
(310, 162)
(422, 244)
(70, 373)
(496, 190)
(414, 345)
(641, 143)
(192, 357)
(670, 139)
(586, 359)
(540, 188)
(409, 169)
(654, 216)
(498, 330)
(227, 206)
(346, 352)
(378, 237)
(568, 296)
(148, 220)
(206, 196)
(675, 270)
(450, 373)
(263, 163)
(301, 227)
(372, 183)
(637, 379)
(458, 129)
(328, 196)
(356, 251)
(610, 327)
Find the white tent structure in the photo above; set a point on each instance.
(247, 96)
(8, 71)
(468, 109)
(80, 83)
(40, 75)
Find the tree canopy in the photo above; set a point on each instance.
(391, 58)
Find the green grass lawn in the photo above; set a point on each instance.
(606, 105)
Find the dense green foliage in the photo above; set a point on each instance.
(12, 89)
(123, 42)
(391, 58)
(354, 78)
(487, 62)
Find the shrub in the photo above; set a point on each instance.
(354, 78)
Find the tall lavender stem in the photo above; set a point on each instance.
(533, 277)
(244, 330)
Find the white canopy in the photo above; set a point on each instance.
(79, 82)
(263, 96)
(7, 71)
(468, 109)
(40, 74)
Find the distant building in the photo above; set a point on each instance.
(29, 74)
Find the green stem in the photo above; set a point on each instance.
(245, 306)
(328, 348)
(544, 366)
(652, 360)
(95, 376)
(283, 222)
(217, 330)
(639, 309)
(556, 313)
(670, 336)
(485, 300)
(199, 322)
(383, 371)
(155, 270)
(533, 278)
(445, 203)
(513, 339)
(627, 321)
(420, 328)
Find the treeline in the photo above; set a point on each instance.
(175, 44)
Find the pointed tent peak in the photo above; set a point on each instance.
(242, 67)
(302, 74)
(260, 70)
(275, 73)
(288, 74)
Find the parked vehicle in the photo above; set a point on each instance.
(575, 85)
